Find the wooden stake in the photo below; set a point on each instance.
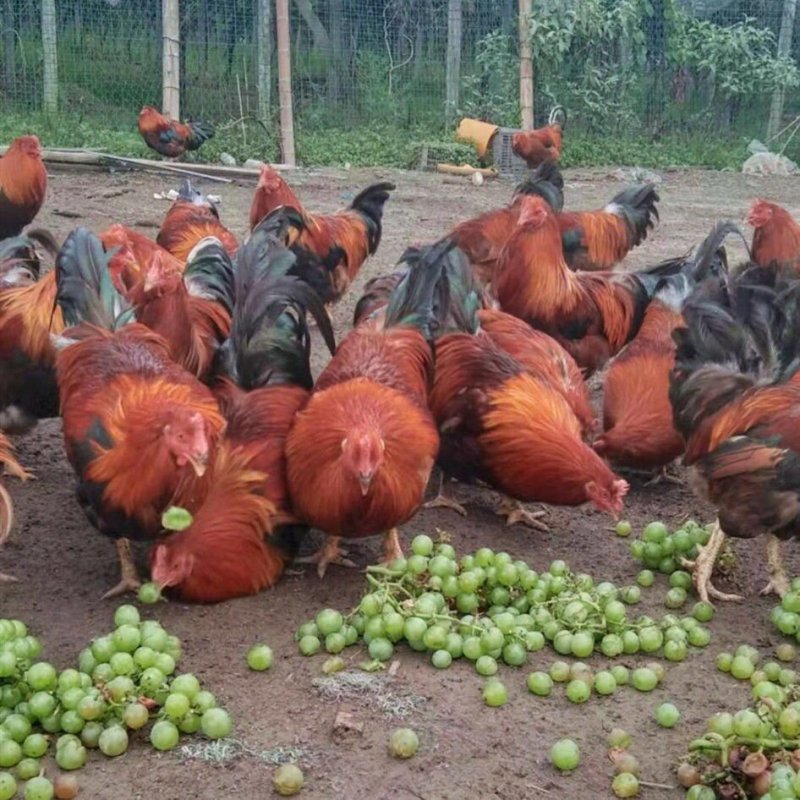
(171, 59)
(453, 77)
(525, 65)
(285, 80)
(49, 57)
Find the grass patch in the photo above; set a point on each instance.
(223, 751)
(372, 688)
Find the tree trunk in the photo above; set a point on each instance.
(9, 49)
(50, 50)
(171, 69)
(264, 56)
(784, 49)
(321, 39)
(285, 80)
(335, 12)
(453, 79)
(525, 65)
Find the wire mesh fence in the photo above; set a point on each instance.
(372, 79)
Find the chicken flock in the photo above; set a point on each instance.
(180, 367)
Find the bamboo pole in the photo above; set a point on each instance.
(453, 77)
(264, 57)
(285, 80)
(50, 57)
(171, 59)
(525, 65)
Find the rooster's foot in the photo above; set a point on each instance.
(443, 501)
(779, 582)
(391, 546)
(703, 566)
(330, 553)
(515, 514)
(666, 476)
(130, 581)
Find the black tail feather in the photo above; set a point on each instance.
(637, 206)
(369, 203)
(546, 182)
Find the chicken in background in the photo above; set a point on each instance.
(483, 238)
(599, 240)
(735, 392)
(349, 236)
(776, 238)
(139, 430)
(12, 467)
(505, 424)
(171, 138)
(542, 145)
(360, 453)
(189, 307)
(23, 185)
(639, 432)
(593, 315)
(191, 218)
(28, 390)
(265, 378)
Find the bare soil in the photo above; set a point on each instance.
(468, 750)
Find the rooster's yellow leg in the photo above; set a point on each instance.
(703, 567)
(391, 546)
(779, 582)
(130, 575)
(6, 523)
(331, 552)
(443, 501)
(514, 513)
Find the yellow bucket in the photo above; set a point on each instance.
(478, 133)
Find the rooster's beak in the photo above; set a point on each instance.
(364, 481)
(199, 464)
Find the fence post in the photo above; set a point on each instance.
(50, 52)
(264, 56)
(171, 59)
(525, 65)
(784, 49)
(453, 75)
(285, 81)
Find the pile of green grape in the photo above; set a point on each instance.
(746, 754)
(658, 549)
(487, 607)
(124, 680)
(786, 616)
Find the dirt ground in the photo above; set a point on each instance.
(468, 750)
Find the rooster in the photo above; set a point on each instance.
(598, 240)
(193, 217)
(541, 145)
(637, 417)
(506, 425)
(735, 391)
(265, 378)
(169, 138)
(23, 184)
(189, 307)
(482, 238)
(591, 314)
(28, 389)
(139, 430)
(776, 238)
(360, 453)
(349, 236)
(6, 507)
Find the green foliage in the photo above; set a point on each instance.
(740, 57)
(492, 91)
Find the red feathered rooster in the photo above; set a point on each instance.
(169, 138)
(191, 218)
(541, 145)
(8, 461)
(23, 184)
(776, 238)
(139, 430)
(360, 453)
(346, 238)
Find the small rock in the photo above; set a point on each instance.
(227, 159)
(345, 724)
(253, 163)
(214, 198)
(172, 194)
(636, 175)
(757, 146)
(769, 164)
(347, 165)
(477, 179)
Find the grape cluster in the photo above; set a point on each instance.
(658, 549)
(124, 680)
(786, 616)
(754, 751)
(489, 608)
